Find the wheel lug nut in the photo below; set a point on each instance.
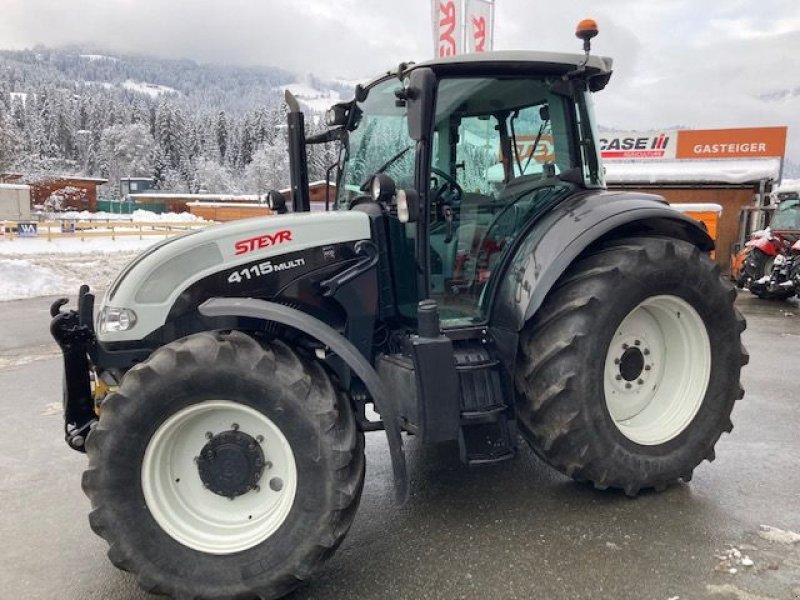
(647, 367)
(618, 377)
(235, 426)
(646, 351)
(638, 343)
(616, 361)
(628, 386)
(209, 435)
(259, 438)
(640, 381)
(625, 346)
(267, 465)
(257, 488)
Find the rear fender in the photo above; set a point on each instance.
(339, 345)
(553, 243)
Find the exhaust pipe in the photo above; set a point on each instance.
(298, 162)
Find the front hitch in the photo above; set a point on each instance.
(74, 333)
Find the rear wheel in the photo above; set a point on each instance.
(224, 469)
(628, 372)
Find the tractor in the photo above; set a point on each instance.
(222, 387)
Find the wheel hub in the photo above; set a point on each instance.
(631, 364)
(231, 464)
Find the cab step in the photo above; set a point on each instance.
(486, 431)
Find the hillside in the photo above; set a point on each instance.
(191, 126)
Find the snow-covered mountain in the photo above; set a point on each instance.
(195, 86)
(189, 126)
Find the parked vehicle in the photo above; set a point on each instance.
(221, 390)
(784, 280)
(763, 264)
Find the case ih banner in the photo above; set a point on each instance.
(462, 25)
(753, 142)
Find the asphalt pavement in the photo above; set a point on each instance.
(518, 530)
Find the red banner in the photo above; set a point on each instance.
(448, 27)
(479, 25)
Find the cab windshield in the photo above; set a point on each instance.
(787, 216)
(380, 140)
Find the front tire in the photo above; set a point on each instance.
(628, 372)
(224, 469)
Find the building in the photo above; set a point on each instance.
(733, 168)
(66, 192)
(15, 202)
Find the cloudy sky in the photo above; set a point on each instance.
(697, 63)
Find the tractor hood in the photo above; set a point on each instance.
(139, 300)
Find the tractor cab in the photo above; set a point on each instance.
(479, 146)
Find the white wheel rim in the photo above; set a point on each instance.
(657, 370)
(197, 517)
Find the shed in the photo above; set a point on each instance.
(15, 202)
(733, 184)
(76, 192)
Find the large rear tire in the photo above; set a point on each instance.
(628, 372)
(224, 469)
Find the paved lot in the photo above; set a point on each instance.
(518, 530)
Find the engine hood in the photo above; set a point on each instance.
(150, 284)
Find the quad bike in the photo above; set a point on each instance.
(223, 385)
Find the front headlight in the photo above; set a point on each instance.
(115, 319)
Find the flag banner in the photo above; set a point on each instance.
(479, 25)
(448, 26)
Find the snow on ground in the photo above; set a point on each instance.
(35, 267)
(151, 89)
(52, 274)
(21, 96)
(31, 267)
(138, 216)
(314, 99)
(95, 57)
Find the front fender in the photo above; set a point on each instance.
(554, 241)
(342, 347)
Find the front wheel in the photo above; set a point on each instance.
(224, 469)
(628, 372)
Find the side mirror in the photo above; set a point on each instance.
(418, 92)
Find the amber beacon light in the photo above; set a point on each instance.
(586, 30)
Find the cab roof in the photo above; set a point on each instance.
(519, 59)
(509, 62)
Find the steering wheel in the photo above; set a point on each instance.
(450, 183)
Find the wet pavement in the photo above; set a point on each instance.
(518, 530)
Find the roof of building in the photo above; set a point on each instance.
(735, 171)
(44, 179)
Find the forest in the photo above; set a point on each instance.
(192, 128)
